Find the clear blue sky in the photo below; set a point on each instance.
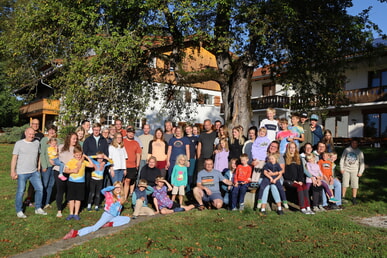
(378, 14)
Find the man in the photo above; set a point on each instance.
(316, 130)
(119, 129)
(218, 124)
(306, 126)
(134, 151)
(205, 147)
(145, 139)
(168, 134)
(86, 126)
(34, 124)
(24, 166)
(207, 186)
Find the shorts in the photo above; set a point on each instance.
(75, 191)
(178, 190)
(212, 197)
(131, 173)
(351, 177)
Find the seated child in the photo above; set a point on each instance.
(161, 200)
(111, 216)
(227, 189)
(259, 152)
(96, 181)
(241, 181)
(326, 167)
(53, 155)
(140, 199)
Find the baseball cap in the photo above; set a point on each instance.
(314, 117)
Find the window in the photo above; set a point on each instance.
(268, 89)
(188, 96)
(375, 125)
(109, 120)
(377, 78)
(205, 99)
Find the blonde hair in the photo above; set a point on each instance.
(225, 145)
(182, 156)
(309, 157)
(115, 143)
(262, 129)
(270, 109)
(275, 155)
(81, 129)
(241, 139)
(115, 197)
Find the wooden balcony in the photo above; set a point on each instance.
(270, 101)
(40, 107)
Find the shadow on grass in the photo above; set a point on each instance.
(373, 185)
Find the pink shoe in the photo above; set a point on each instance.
(62, 177)
(73, 233)
(108, 224)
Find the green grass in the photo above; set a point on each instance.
(213, 233)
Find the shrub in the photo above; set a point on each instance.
(12, 134)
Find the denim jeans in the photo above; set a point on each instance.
(191, 171)
(36, 181)
(118, 175)
(105, 218)
(238, 195)
(48, 181)
(61, 165)
(337, 192)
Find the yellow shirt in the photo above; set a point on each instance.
(80, 176)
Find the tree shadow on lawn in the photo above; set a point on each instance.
(373, 185)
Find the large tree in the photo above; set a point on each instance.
(105, 45)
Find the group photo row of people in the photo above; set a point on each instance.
(180, 168)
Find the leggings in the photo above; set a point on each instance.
(95, 191)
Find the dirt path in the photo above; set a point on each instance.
(61, 245)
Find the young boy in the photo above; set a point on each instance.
(140, 199)
(96, 181)
(352, 167)
(76, 184)
(270, 124)
(326, 169)
(242, 178)
(259, 152)
(285, 136)
(297, 130)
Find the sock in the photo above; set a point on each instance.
(279, 208)
(263, 209)
(308, 208)
(89, 206)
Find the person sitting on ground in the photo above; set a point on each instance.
(149, 172)
(207, 186)
(140, 199)
(111, 216)
(162, 202)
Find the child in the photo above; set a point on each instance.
(76, 184)
(285, 136)
(326, 169)
(259, 152)
(221, 156)
(162, 202)
(352, 167)
(270, 124)
(96, 180)
(53, 155)
(179, 178)
(241, 180)
(317, 183)
(298, 132)
(110, 217)
(272, 166)
(229, 174)
(140, 199)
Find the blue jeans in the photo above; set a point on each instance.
(191, 171)
(238, 195)
(61, 165)
(48, 181)
(105, 218)
(118, 175)
(337, 192)
(36, 181)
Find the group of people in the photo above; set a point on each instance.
(215, 168)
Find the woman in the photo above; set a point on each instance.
(149, 172)
(294, 177)
(328, 140)
(158, 148)
(117, 153)
(179, 144)
(81, 135)
(66, 152)
(47, 168)
(105, 134)
(236, 143)
(222, 134)
(252, 135)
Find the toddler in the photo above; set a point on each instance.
(53, 155)
(259, 152)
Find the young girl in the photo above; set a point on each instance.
(259, 153)
(229, 174)
(140, 199)
(117, 153)
(179, 178)
(221, 156)
(236, 143)
(110, 217)
(163, 204)
(241, 180)
(81, 135)
(270, 168)
(328, 140)
(53, 155)
(76, 184)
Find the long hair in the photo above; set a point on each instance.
(66, 145)
(289, 158)
(241, 139)
(328, 141)
(115, 143)
(225, 145)
(181, 156)
(115, 197)
(80, 129)
(162, 134)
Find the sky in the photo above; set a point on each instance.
(377, 14)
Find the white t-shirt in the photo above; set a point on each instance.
(271, 127)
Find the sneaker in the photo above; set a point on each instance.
(59, 214)
(321, 208)
(264, 212)
(40, 211)
(333, 199)
(241, 207)
(21, 215)
(354, 201)
(73, 233)
(309, 212)
(334, 207)
(304, 211)
(109, 224)
(259, 204)
(76, 217)
(96, 208)
(47, 206)
(62, 177)
(316, 209)
(280, 212)
(88, 209)
(70, 217)
(285, 203)
(234, 209)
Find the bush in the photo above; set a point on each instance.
(12, 134)
(65, 130)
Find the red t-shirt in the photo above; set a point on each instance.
(325, 167)
(242, 173)
(132, 148)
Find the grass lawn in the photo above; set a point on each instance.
(212, 233)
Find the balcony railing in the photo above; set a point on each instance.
(270, 101)
(42, 106)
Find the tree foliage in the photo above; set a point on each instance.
(105, 47)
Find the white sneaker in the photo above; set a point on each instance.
(309, 212)
(21, 215)
(40, 211)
